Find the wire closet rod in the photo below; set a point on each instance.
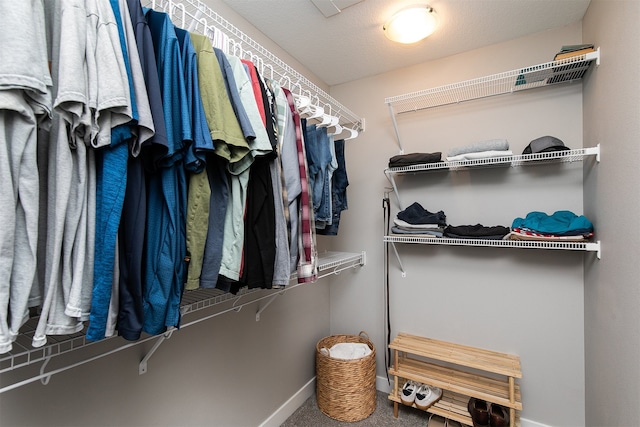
(194, 15)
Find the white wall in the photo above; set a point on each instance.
(612, 291)
(526, 302)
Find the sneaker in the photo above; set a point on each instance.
(426, 396)
(436, 421)
(408, 394)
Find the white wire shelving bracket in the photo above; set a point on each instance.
(550, 73)
(516, 160)
(196, 16)
(23, 354)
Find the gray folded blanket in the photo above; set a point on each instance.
(476, 147)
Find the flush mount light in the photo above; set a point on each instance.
(411, 25)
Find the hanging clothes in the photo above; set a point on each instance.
(240, 104)
(132, 231)
(25, 106)
(87, 106)
(259, 221)
(165, 268)
(213, 191)
(339, 184)
(111, 182)
(195, 160)
(281, 269)
(163, 164)
(234, 229)
(291, 181)
(307, 261)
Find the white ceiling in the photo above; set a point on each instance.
(351, 45)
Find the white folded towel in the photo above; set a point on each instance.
(480, 155)
(347, 351)
(488, 145)
(405, 224)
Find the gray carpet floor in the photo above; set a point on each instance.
(309, 415)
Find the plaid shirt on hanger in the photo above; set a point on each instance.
(307, 264)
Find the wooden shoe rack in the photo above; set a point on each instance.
(460, 371)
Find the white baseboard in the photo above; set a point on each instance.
(529, 423)
(289, 407)
(383, 385)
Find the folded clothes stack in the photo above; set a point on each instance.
(417, 220)
(480, 150)
(560, 226)
(402, 160)
(478, 231)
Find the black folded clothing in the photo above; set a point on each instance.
(402, 160)
(477, 231)
(416, 214)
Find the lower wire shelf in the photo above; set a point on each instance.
(23, 354)
(526, 244)
(529, 244)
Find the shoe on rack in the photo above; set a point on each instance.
(498, 416)
(408, 394)
(479, 411)
(436, 421)
(426, 396)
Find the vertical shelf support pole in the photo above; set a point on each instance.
(395, 188)
(395, 383)
(512, 399)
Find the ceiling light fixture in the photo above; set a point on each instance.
(411, 25)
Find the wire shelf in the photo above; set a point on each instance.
(194, 15)
(23, 354)
(526, 244)
(517, 160)
(565, 156)
(549, 73)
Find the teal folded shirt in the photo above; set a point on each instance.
(561, 222)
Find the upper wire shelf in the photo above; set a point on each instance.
(549, 73)
(565, 156)
(194, 15)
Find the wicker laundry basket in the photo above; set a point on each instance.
(346, 389)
